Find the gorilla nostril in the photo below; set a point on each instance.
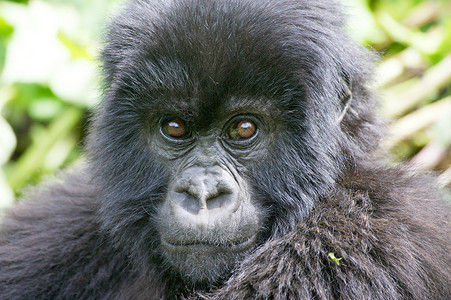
(222, 198)
(186, 201)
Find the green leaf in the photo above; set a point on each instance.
(334, 259)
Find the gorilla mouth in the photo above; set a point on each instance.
(237, 245)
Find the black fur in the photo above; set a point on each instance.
(91, 235)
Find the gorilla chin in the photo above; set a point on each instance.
(205, 262)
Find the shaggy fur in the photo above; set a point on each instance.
(91, 233)
(385, 227)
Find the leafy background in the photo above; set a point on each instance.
(49, 81)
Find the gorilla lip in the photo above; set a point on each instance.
(238, 245)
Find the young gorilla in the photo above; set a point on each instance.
(231, 158)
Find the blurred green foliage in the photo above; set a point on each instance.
(48, 84)
(49, 80)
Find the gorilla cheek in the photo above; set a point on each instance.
(207, 222)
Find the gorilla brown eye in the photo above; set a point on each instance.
(241, 130)
(175, 129)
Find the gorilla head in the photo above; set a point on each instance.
(231, 158)
(222, 123)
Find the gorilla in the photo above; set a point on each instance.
(234, 156)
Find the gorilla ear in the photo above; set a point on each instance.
(345, 98)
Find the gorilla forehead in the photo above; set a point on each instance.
(201, 49)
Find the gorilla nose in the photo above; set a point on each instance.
(211, 191)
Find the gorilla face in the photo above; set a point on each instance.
(217, 131)
(208, 218)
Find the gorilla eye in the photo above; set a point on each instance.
(241, 130)
(175, 129)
